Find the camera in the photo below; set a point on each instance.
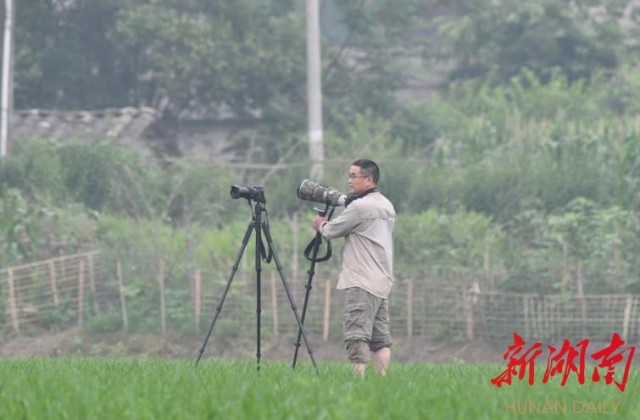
(312, 191)
(255, 193)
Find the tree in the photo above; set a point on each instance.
(212, 56)
(369, 63)
(65, 57)
(500, 38)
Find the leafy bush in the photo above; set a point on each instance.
(105, 322)
(37, 172)
(581, 245)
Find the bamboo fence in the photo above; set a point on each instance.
(74, 290)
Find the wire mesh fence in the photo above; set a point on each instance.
(49, 294)
(102, 292)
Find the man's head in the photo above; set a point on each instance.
(363, 175)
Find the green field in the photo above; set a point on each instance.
(95, 388)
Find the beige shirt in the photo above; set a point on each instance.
(367, 258)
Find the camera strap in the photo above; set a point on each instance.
(351, 198)
(313, 248)
(311, 251)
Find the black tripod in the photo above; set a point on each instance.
(311, 254)
(259, 226)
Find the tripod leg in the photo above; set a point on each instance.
(234, 268)
(308, 287)
(258, 293)
(267, 235)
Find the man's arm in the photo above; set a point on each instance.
(341, 226)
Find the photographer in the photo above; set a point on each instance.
(367, 267)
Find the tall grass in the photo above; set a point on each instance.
(160, 389)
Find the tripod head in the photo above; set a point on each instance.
(256, 193)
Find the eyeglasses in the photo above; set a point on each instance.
(352, 176)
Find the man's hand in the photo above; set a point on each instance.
(318, 222)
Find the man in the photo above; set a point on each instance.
(367, 266)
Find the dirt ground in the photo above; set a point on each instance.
(120, 344)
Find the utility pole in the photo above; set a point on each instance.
(314, 91)
(6, 103)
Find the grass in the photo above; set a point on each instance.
(95, 388)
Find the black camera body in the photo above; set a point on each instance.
(255, 193)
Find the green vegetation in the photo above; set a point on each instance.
(522, 188)
(130, 388)
(520, 173)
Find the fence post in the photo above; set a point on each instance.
(295, 263)
(54, 284)
(467, 299)
(583, 301)
(92, 282)
(198, 300)
(81, 294)
(326, 318)
(274, 305)
(410, 307)
(635, 319)
(627, 317)
(538, 330)
(13, 304)
(123, 302)
(486, 265)
(163, 308)
(525, 307)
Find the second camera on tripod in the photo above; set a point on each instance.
(255, 193)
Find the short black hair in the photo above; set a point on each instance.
(370, 167)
